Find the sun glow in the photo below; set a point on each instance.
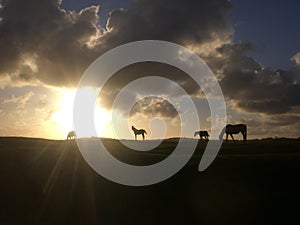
(63, 115)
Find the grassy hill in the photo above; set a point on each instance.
(47, 182)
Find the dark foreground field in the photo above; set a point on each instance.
(44, 182)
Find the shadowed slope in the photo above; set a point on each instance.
(48, 182)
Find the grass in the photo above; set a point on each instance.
(47, 182)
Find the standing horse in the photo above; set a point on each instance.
(234, 129)
(71, 135)
(138, 132)
(202, 133)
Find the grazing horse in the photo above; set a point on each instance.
(71, 135)
(202, 133)
(234, 129)
(138, 132)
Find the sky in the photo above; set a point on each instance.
(252, 47)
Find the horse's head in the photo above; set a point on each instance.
(195, 134)
(132, 127)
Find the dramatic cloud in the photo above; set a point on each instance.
(188, 22)
(154, 107)
(250, 86)
(45, 44)
(54, 46)
(254, 88)
(139, 70)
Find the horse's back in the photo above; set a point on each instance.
(203, 133)
(230, 128)
(242, 126)
(143, 131)
(140, 131)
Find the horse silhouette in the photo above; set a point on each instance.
(71, 135)
(234, 129)
(138, 132)
(202, 133)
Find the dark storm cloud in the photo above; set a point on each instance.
(187, 22)
(255, 88)
(284, 120)
(154, 107)
(139, 70)
(43, 42)
(251, 86)
(40, 41)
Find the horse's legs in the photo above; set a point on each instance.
(226, 137)
(135, 136)
(232, 137)
(245, 136)
(143, 136)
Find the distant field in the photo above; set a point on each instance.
(47, 182)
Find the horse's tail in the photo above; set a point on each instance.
(222, 133)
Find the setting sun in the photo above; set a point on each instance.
(64, 114)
